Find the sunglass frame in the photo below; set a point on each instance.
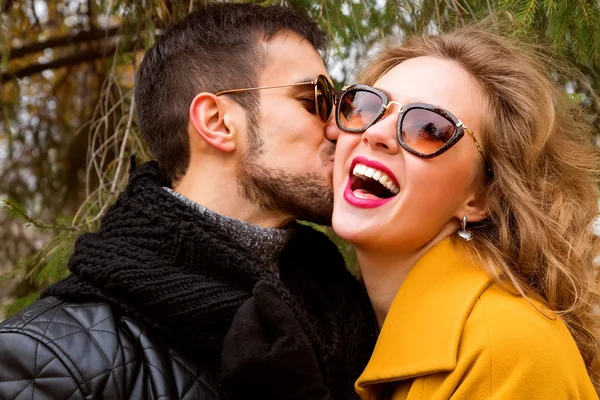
(459, 128)
(314, 82)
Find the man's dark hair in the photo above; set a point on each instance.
(216, 47)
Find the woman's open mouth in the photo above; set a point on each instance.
(370, 184)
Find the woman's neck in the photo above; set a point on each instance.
(384, 272)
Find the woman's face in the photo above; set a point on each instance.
(432, 194)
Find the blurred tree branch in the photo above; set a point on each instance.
(78, 58)
(59, 41)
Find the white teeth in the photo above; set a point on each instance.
(364, 172)
(392, 187)
(359, 171)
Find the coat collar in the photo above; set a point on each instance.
(422, 330)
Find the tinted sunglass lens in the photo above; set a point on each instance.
(324, 98)
(358, 108)
(426, 131)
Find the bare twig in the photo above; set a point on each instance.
(34, 222)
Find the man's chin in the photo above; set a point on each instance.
(305, 196)
(316, 206)
(324, 220)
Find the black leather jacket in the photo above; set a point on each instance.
(58, 350)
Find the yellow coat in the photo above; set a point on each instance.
(452, 333)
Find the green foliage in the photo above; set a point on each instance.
(16, 305)
(572, 26)
(46, 265)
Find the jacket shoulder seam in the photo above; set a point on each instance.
(25, 321)
(59, 357)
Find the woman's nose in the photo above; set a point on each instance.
(382, 135)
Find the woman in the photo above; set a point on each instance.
(468, 183)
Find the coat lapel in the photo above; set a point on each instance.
(422, 330)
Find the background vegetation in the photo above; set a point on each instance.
(67, 126)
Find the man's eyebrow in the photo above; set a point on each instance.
(306, 80)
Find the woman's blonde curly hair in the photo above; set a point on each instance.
(543, 196)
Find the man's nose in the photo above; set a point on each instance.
(332, 132)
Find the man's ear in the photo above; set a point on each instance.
(207, 116)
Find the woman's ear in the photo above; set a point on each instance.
(207, 116)
(475, 208)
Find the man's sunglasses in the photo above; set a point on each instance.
(423, 129)
(325, 95)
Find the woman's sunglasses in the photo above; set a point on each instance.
(325, 95)
(423, 129)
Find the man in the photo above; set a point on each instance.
(199, 285)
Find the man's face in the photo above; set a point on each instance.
(291, 169)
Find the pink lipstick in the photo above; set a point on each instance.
(373, 201)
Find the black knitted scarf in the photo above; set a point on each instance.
(162, 261)
(265, 243)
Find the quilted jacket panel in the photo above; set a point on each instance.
(58, 350)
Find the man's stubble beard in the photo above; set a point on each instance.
(306, 196)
